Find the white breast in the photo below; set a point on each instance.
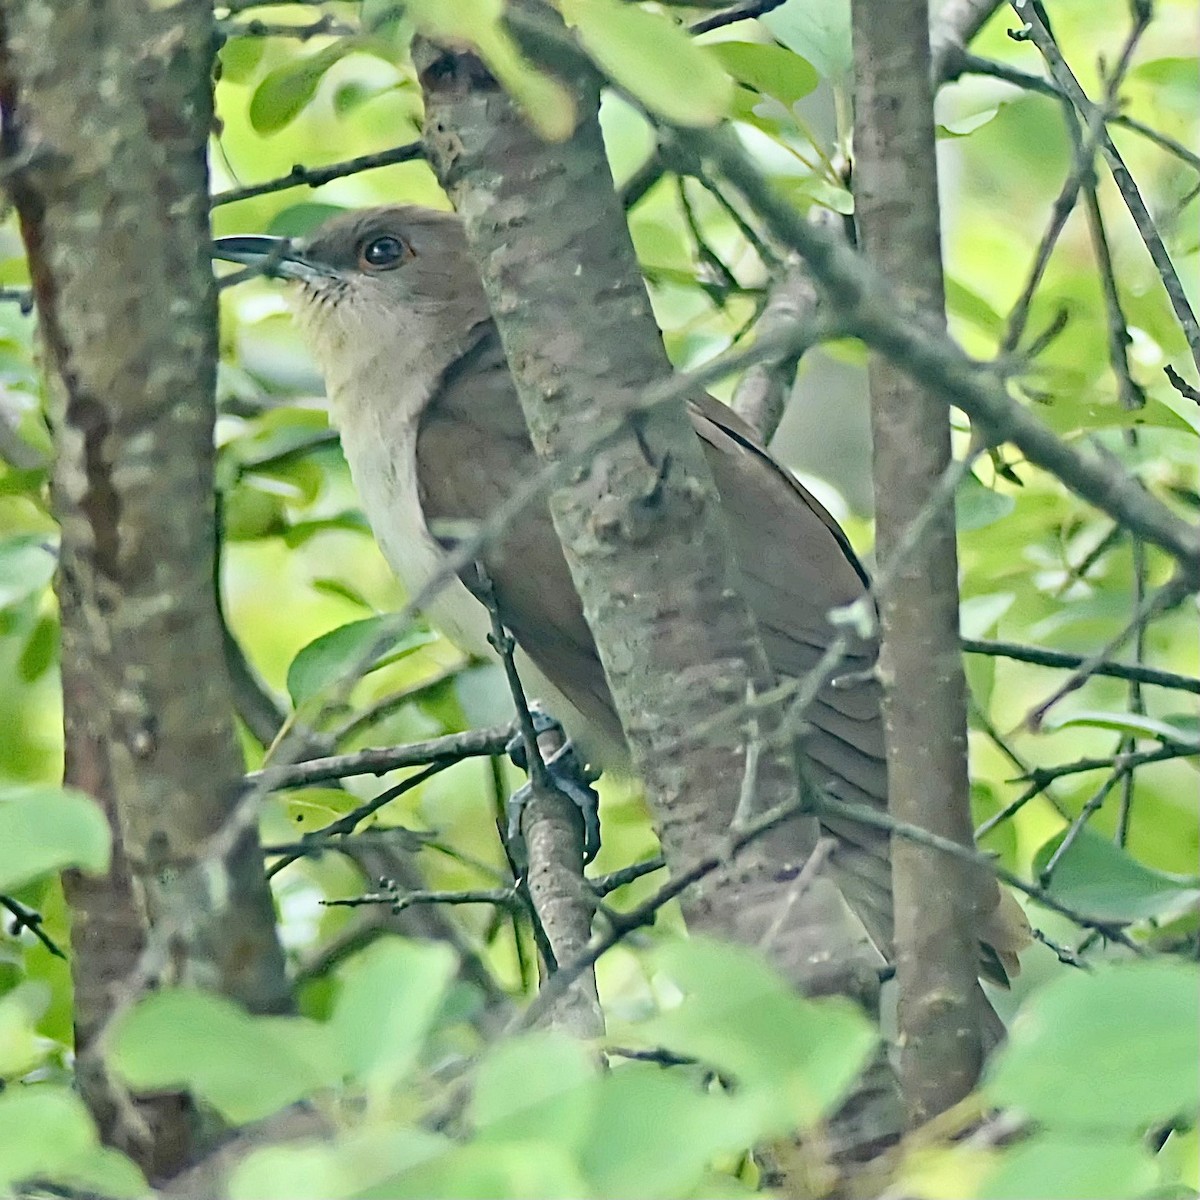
(380, 448)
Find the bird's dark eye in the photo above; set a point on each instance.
(382, 252)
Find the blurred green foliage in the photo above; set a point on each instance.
(1094, 1058)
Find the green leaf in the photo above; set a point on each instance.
(45, 829)
(327, 659)
(27, 565)
(769, 69)
(969, 305)
(547, 105)
(239, 58)
(739, 1016)
(352, 521)
(538, 1086)
(47, 1134)
(245, 1067)
(343, 591)
(977, 506)
(1054, 1167)
(392, 994)
(249, 513)
(286, 91)
(1177, 731)
(1113, 1049)
(1102, 880)
(40, 651)
(656, 1131)
(654, 59)
(21, 1049)
(330, 1170)
(819, 32)
(516, 1170)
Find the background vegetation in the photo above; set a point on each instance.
(396, 1042)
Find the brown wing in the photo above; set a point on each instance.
(474, 429)
(796, 565)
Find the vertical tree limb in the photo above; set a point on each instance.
(896, 202)
(107, 110)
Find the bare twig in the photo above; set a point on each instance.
(444, 750)
(645, 914)
(871, 310)
(1041, 37)
(553, 832)
(1163, 600)
(313, 177)
(1180, 384)
(762, 392)
(869, 816)
(28, 918)
(322, 26)
(1038, 656)
(344, 826)
(21, 297)
(971, 64)
(730, 16)
(604, 884)
(392, 703)
(398, 901)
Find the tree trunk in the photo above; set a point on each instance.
(107, 110)
(896, 205)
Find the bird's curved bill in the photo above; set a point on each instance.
(262, 255)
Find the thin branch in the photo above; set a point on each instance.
(392, 703)
(871, 310)
(1025, 768)
(730, 16)
(452, 748)
(761, 395)
(1060, 210)
(552, 828)
(1163, 600)
(1038, 656)
(322, 26)
(604, 884)
(827, 805)
(971, 64)
(233, 7)
(1180, 384)
(398, 901)
(1077, 573)
(645, 914)
(31, 919)
(346, 825)
(1041, 37)
(1092, 806)
(21, 297)
(1040, 777)
(313, 177)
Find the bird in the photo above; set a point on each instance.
(392, 309)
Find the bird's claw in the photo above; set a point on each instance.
(568, 776)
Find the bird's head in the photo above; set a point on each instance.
(383, 282)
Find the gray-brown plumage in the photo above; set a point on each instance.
(433, 432)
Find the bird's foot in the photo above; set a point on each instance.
(566, 774)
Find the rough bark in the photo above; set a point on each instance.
(641, 527)
(896, 204)
(107, 110)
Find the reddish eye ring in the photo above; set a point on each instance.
(381, 253)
